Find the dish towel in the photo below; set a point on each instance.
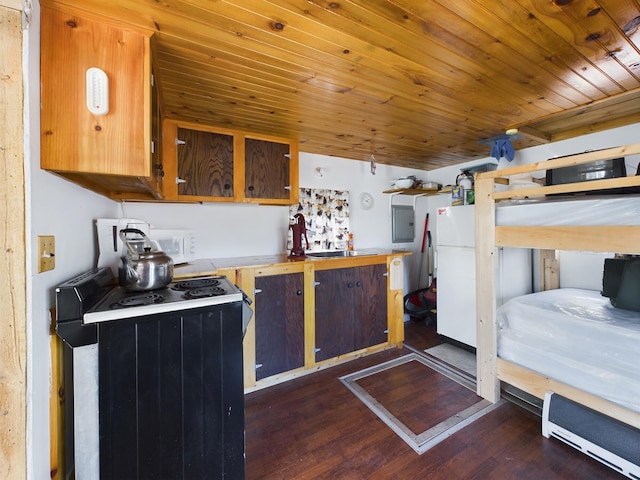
(502, 148)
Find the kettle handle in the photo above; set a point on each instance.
(123, 237)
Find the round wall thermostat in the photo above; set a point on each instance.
(366, 200)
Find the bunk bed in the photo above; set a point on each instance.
(504, 354)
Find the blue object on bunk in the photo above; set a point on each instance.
(502, 148)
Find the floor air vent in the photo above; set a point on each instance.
(603, 438)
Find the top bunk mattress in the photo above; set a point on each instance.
(577, 210)
(576, 337)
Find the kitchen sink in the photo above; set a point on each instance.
(337, 253)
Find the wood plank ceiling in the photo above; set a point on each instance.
(417, 83)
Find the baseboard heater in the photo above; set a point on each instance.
(603, 438)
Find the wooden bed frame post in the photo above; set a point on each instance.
(549, 270)
(488, 385)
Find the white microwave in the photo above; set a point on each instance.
(179, 244)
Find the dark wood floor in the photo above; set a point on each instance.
(315, 428)
(419, 336)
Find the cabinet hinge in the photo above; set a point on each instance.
(180, 142)
(258, 365)
(180, 180)
(257, 290)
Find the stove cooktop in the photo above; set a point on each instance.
(180, 295)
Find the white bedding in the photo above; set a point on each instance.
(579, 210)
(576, 337)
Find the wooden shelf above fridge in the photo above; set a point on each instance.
(414, 191)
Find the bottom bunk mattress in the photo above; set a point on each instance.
(576, 337)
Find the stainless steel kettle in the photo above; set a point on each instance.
(145, 268)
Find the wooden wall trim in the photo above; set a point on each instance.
(13, 463)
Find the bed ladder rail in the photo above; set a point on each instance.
(611, 442)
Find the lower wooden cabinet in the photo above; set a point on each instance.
(351, 309)
(370, 306)
(309, 315)
(334, 313)
(279, 323)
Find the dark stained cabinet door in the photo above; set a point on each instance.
(370, 306)
(205, 163)
(334, 313)
(267, 167)
(351, 309)
(279, 317)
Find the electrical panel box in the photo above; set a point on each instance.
(402, 224)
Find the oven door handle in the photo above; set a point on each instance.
(247, 312)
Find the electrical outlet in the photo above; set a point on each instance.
(46, 253)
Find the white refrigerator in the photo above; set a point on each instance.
(456, 273)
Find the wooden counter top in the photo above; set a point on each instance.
(209, 266)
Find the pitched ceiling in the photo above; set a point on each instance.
(417, 83)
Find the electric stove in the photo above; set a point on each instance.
(94, 297)
(157, 377)
(180, 295)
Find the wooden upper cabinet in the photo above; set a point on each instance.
(268, 168)
(207, 164)
(199, 163)
(109, 153)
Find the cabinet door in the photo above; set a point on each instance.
(205, 163)
(334, 312)
(267, 169)
(370, 306)
(279, 323)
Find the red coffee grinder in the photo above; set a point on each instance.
(299, 229)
